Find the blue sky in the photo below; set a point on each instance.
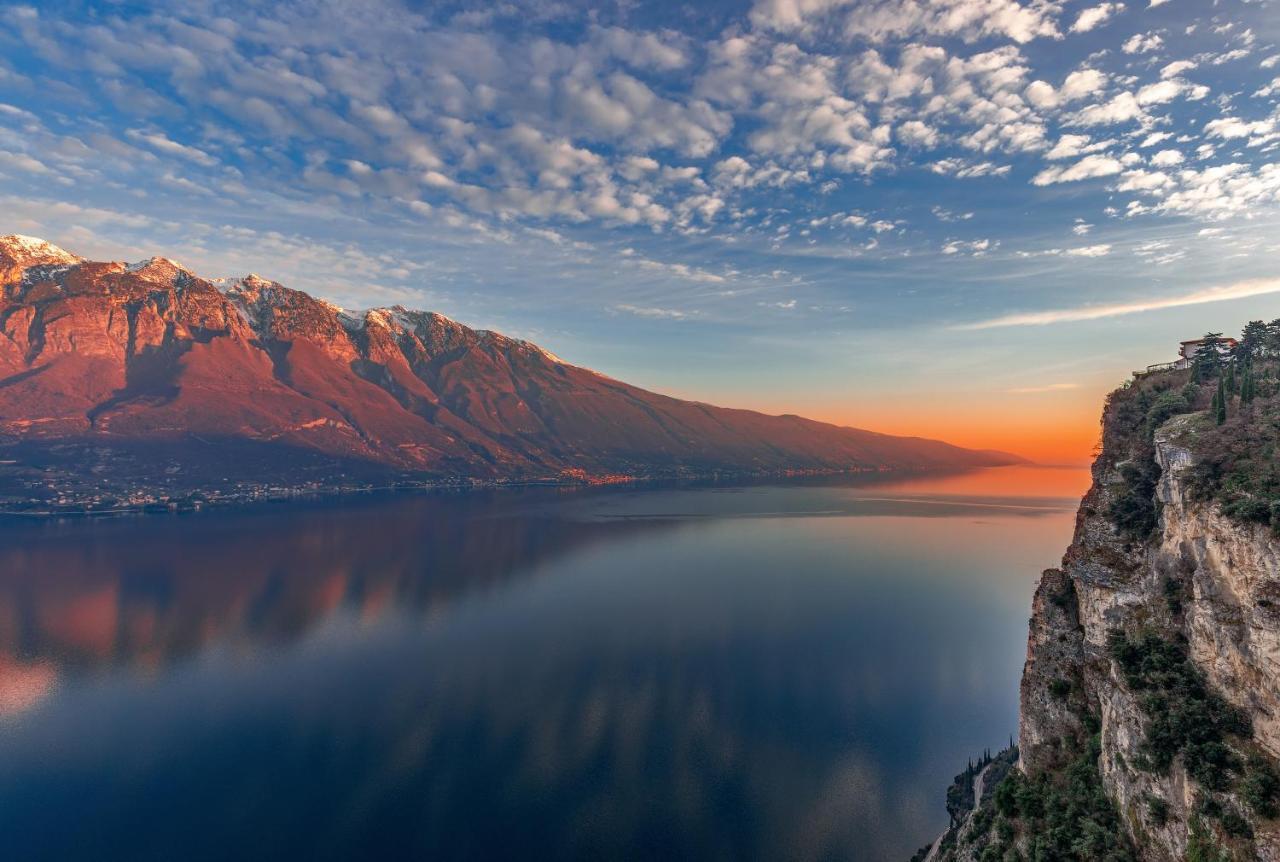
(876, 212)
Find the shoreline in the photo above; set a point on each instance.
(197, 501)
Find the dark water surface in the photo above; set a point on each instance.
(787, 671)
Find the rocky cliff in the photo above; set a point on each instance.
(1150, 699)
(116, 377)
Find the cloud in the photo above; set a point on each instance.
(880, 20)
(23, 162)
(917, 134)
(1095, 16)
(1101, 250)
(652, 312)
(1173, 70)
(1166, 91)
(1239, 290)
(1083, 83)
(1233, 127)
(161, 143)
(973, 248)
(1087, 168)
(718, 146)
(1142, 43)
(1121, 108)
(965, 170)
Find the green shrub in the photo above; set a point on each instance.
(1234, 824)
(1173, 595)
(1065, 814)
(1158, 809)
(1183, 715)
(1133, 504)
(1261, 787)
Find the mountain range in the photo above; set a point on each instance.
(147, 371)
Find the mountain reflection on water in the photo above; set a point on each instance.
(770, 671)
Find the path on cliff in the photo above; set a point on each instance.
(979, 781)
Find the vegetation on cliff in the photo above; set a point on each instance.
(1062, 815)
(1236, 440)
(1059, 815)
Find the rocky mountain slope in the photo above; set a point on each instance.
(149, 371)
(1150, 724)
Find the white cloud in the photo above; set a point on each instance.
(1167, 159)
(1161, 92)
(1100, 250)
(1068, 146)
(1239, 290)
(1233, 127)
(1142, 43)
(965, 170)
(1087, 168)
(1121, 108)
(23, 162)
(973, 248)
(651, 311)
(1095, 16)
(1083, 83)
(1041, 94)
(917, 134)
(159, 142)
(1176, 68)
(879, 20)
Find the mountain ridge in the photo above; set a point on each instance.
(114, 354)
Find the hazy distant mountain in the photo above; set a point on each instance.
(152, 362)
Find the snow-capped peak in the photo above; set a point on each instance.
(32, 249)
(161, 262)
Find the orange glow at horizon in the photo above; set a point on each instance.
(1050, 437)
(1050, 428)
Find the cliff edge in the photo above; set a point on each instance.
(1150, 698)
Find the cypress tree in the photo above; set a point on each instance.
(1220, 402)
(1231, 379)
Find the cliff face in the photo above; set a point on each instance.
(1201, 581)
(1150, 699)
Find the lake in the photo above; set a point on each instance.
(787, 670)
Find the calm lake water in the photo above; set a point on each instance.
(785, 671)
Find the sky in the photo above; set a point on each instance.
(966, 219)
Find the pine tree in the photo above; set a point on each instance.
(1207, 360)
(1253, 341)
(1220, 402)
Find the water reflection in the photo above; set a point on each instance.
(766, 672)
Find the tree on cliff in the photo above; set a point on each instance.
(1253, 341)
(1206, 363)
(1248, 387)
(1220, 402)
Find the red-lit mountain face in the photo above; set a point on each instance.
(151, 366)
